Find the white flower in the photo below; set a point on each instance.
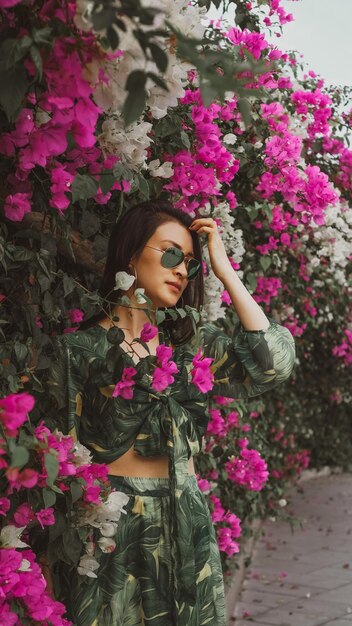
(10, 537)
(82, 456)
(25, 566)
(108, 529)
(124, 281)
(139, 295)
(106, 545)
(282, 502)
(230, 139)
(163, 171)
(87, 566)
(115, 503)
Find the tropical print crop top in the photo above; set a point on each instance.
(86, 369)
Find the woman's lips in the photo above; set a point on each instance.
(176, 288)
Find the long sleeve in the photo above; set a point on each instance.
(64, 386)
(251, 361)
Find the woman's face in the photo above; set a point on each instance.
(164, 286)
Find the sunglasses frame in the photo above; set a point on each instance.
(184, 259)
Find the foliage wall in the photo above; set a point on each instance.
(101, 109)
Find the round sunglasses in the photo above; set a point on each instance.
(172, 257)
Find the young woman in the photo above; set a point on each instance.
(165, 570)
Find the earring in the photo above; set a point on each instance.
(130, 267)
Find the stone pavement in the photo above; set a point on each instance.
(303, 578)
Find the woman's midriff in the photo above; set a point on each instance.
(134, 465)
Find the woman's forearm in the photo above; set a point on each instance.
(247, 309)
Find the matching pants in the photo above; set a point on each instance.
(166, 568)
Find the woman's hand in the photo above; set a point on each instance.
(218, 258)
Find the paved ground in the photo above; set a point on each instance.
(304, 578)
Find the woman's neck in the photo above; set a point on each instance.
(131, 319)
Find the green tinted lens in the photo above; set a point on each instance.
(172, 257)
(193, 268)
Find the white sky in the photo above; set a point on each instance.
(322, 32)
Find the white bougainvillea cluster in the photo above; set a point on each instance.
(130, 144)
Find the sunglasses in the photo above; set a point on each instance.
(172, 257)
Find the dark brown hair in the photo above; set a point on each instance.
(128, 238)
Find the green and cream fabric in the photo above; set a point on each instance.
(177, 581)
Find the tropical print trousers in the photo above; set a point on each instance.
(156, 577)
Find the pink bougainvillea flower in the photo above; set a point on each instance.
(248, 470)
(76, 316)
(6, 4)
(46, 517)
(4, 506)
(148, 332)
(202, 376)
(25, 479)
(124, 387)
(163, 375)
(13, 411)
(16, 206)
(23, 515)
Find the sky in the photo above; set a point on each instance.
(321, 31)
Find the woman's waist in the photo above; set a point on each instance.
(135, 465)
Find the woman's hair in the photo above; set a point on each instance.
(128, 238)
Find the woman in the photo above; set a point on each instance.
(166, 568)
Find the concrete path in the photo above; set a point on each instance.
(304, 578)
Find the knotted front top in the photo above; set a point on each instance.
(82, 382)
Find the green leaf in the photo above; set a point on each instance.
(160, 317)
(167, 126)
(106, 181)
(42, 35)
(134, 105)
(265, 262)
(12, 51)
(182, 313)
(160, 57)
(72, 544)
(37, 60)
(21, 352)
(251, 282)
(13, 87)
(76, 491)
(68, 284)
(246, 111)
(19, 456)
(115, 336)
(49, 497)
(52, 468)
(83, 187)
(113, 37)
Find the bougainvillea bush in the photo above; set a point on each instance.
(56, 506)
(102, 110)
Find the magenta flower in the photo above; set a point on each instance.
(26, 478)
(23, 515)
(124, 387)
(4, 506)
(16, 206)
(76, 316)
(163, 375)
(202, 376)
(92, 494)
(248, 470)
(148, 332)
(13, 411)
(5, 4)
(46, 517)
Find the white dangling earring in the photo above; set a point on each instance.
(130, 267)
